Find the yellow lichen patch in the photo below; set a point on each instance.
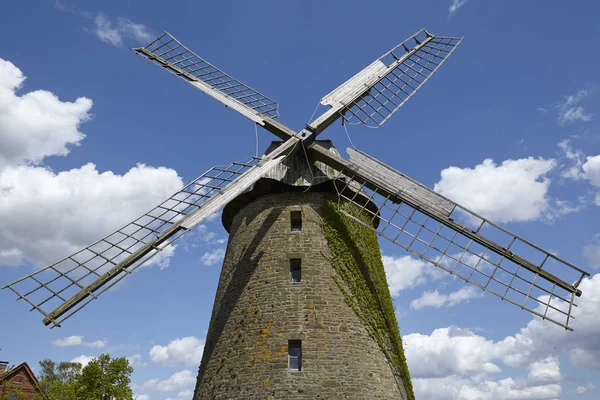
(309, 306)
(268, 382)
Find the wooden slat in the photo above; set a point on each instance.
(407, 187)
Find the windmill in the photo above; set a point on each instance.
(370, 198)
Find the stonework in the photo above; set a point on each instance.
(258, 309)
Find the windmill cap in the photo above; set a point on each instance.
(291, 176)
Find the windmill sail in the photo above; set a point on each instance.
(374, 94)
(63, 288)
(457, 240)
(173, 56)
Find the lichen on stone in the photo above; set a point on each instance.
(356, 257)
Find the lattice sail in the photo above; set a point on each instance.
(173, 56)
(374, 94)
(63, 288)
(424, 223)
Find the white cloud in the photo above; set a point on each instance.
(186, 350)
(581, 167)
(36, 124)
(576, 158)
(185, 395)
(591, 169)
(83, 360)
(497, 191)
(114, 34)
(163, 257)
(454, 363)
(136, 361)
(540, 339)
(575, 114)
(456, 387)
(78, 341)
(449, 351)
(583, 389)
(435, 299)
(455, 5)
(546, 370)
(177, 381)
(407, 272)
(591, 252)
(569, 111)
(11, 257)
(213, 257)
(48, 215)
(141, 397)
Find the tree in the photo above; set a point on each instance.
(58, 380)
(104, 378)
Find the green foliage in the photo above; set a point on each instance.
(57, 380)
(357, 259)
(104, 378)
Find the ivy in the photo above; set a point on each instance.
(361, 278)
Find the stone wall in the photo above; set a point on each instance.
(258, 309)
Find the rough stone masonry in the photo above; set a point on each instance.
(258, 310)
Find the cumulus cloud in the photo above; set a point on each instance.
(576, 159)
(540, 339)
(456, 387)
(136, 361)
(591, 170)
(83, 360)
(141, 397)
(455, 5)
(78, 341)
(187, 350)
(213, 257)
(569, 110)
(178, 381)
(435, 299)
(48, 215)
(581, 167)
(583, 389)
(36, 124)
(455, 363)
(115, 33)
(162, 259)
(546, 370)
(449, 351)
(496, 191)
(407, 272)
(591, 252)
(185, 395)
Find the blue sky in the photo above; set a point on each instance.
(95, 135)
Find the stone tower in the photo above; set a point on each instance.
(302, 309)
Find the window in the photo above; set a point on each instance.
(296, 269)
(296, 219)
(295, 351)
